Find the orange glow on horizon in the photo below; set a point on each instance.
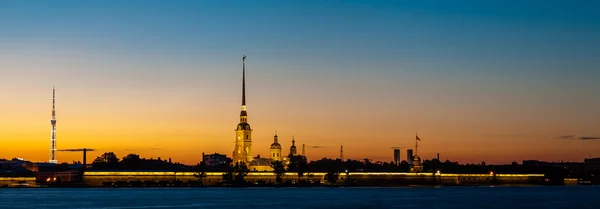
(182, 122)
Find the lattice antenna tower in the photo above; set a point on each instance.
(53, 131)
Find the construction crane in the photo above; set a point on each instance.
(84, 150)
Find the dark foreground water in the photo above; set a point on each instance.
(222, 198)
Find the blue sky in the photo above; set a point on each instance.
(494, 61)
(488, 35)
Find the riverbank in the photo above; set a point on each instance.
(141, 179)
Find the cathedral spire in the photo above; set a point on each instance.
(243, 143)
(244, 82)
(243, 114)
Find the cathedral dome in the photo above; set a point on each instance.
(275, 146)
(416, 158)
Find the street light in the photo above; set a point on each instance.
(347, 178)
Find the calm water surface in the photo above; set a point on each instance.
(443, 197)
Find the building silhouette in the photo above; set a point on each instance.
(214, 159)
(397, 156)
(409, 156)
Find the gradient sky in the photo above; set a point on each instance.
(494, 81)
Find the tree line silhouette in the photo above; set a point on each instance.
(110, 161)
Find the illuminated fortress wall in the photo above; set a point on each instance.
(356, 179)
(17, 182)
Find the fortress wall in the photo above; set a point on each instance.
(571, 181)
(355, 179)
(17, 182)
(211, 179)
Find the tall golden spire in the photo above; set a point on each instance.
(243, 143)
(243, 114)
(244, 82)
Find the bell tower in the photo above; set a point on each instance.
(275, 150)
(243, 140)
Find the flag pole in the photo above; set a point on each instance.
(416, 144)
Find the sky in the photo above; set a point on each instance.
(494, 81)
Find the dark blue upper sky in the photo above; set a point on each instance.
(557, 40)
(460, 34)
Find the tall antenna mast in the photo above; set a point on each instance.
(53, 131)
(342, 152)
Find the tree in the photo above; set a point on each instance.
(332, 176)
(228, 175)
(240, 171)
(131, 161)
(108, 157)
(201, 172)
(279, 171)
(302, 167)
(131, 157)
(107, 160)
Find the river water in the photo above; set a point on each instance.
(441, 197)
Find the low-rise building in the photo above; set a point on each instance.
(215, 159)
